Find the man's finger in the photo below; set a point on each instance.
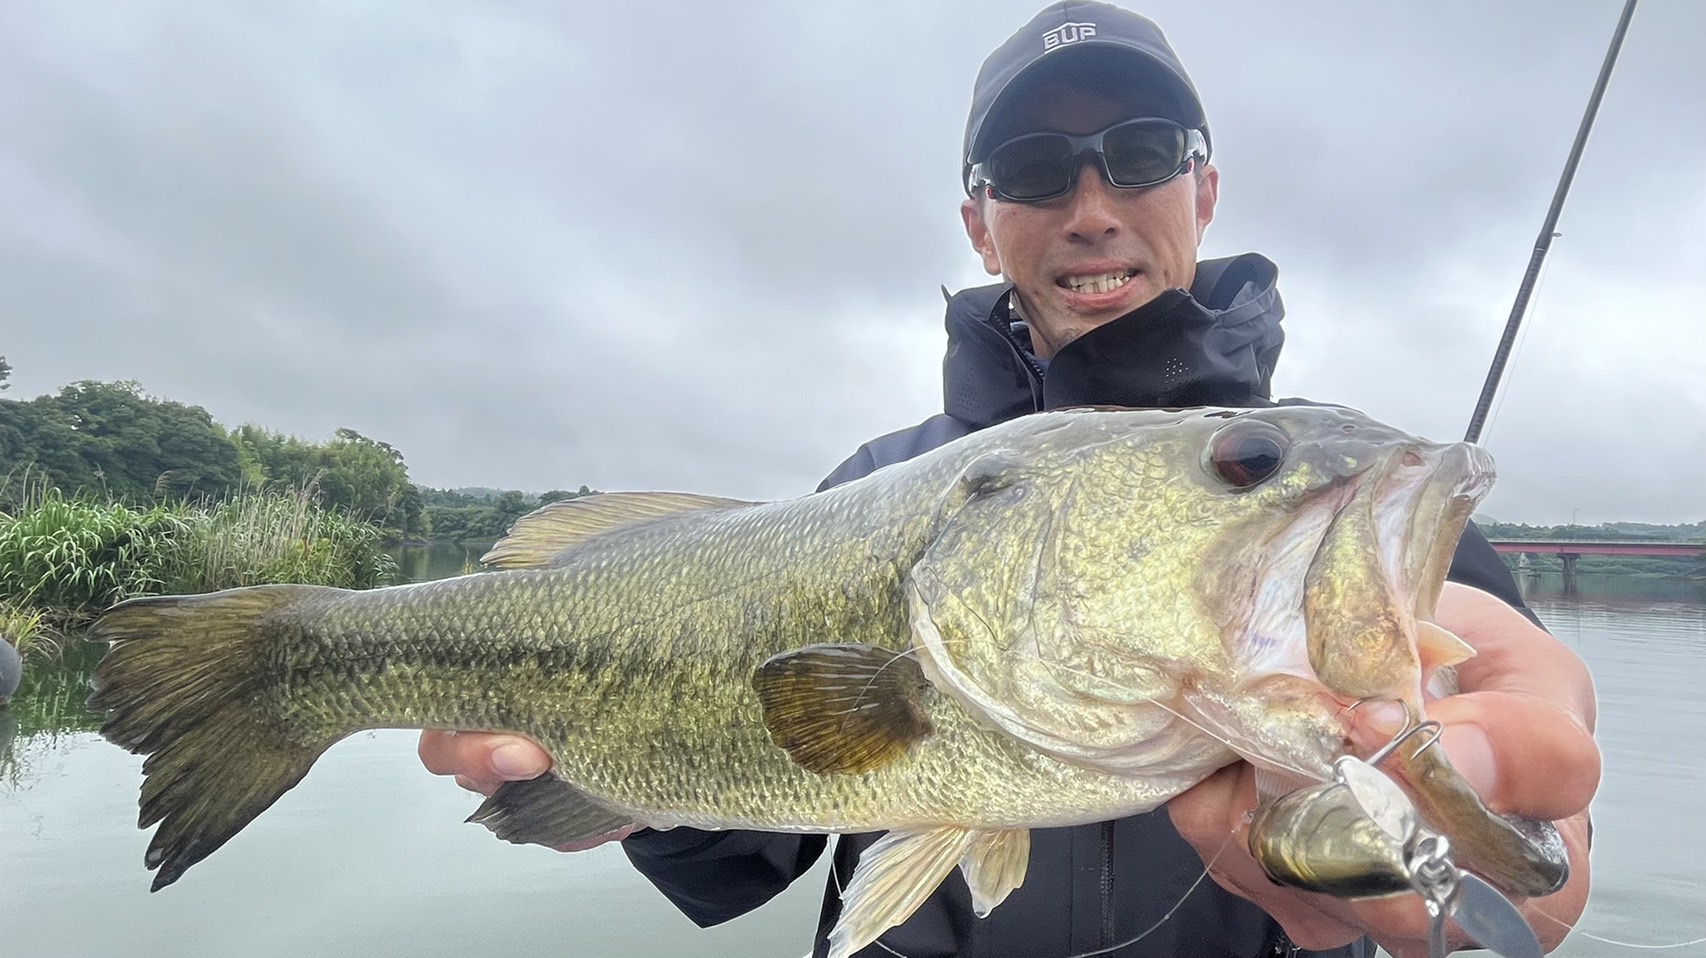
(1522, 755)
(1514, 655)
(1521, 731)
(483, 787)
(482, 756)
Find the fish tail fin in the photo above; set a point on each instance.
(182, 684)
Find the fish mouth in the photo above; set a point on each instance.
(1373, 586)
(1417, 554)
(1522, 856)
(1370, 602)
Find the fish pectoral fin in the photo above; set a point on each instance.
(994, 865)
(538, 538)
(892, 879)
(842, 708)
(546, 811)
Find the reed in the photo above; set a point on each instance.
(64, 559)
(29, 630)
(258, 538)
(75, 556)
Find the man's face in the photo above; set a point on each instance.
(1057, 253)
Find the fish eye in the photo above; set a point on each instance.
(1248, 452)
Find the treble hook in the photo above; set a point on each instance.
(1411, 727)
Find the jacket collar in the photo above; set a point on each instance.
(1214, 345)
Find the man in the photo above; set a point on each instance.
(1089, 189)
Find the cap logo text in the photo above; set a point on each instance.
(1067, 33)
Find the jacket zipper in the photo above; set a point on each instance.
(1107, 884)
(1283, 947)
(1035, 367)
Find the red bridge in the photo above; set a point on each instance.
(1572, 550)
(1594, 547)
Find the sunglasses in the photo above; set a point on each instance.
(1135, 153)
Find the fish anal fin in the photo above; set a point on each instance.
(536, 539)
(842, 709)
(893, 878)
(994, 865)
(546, 811)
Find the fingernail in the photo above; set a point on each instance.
(516, 761)
(1471, 754)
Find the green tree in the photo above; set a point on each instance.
(112, 438)
(274, 460)
(364, 477)
(558, 495)
(360, 477)
(140, 447)
(5, 374)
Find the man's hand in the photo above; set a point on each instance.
(1520, 731)
(481, 762)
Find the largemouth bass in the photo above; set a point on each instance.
(1068, 618)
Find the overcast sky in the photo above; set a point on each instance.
(689, 245)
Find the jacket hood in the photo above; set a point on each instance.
(1214, 345)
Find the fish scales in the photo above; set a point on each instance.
(636, 675)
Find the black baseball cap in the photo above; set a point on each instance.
(1074, 35)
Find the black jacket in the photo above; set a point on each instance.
(1090, 886)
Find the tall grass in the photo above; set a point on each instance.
(62, 560)
(74, 556)
(28, 629)
(264, 537)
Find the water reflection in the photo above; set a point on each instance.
(366, 857)
(1612, 590)
(421, 562)
(49, 707)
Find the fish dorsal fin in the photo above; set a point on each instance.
(893, 878)
(995, 865)
(540, 536)
(546, 811)
(842, 708)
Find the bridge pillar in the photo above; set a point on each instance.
(1570, 572)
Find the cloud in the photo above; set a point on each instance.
(537, 246)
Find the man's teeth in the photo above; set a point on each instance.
(1104, 283)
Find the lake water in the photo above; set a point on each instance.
(369, 856)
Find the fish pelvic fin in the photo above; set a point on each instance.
(537, 539)
(995, 865)
(893, 878)
(842, 709)
(182, 685)
(546, 811)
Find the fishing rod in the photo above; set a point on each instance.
(1547, 232)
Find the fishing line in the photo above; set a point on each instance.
(1226, 740)
(1209, 866)
(1516, 350)
(1612, 941)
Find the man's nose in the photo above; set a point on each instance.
(1091, 204)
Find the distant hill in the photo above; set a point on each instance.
(1683, 532)
(481, 492)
